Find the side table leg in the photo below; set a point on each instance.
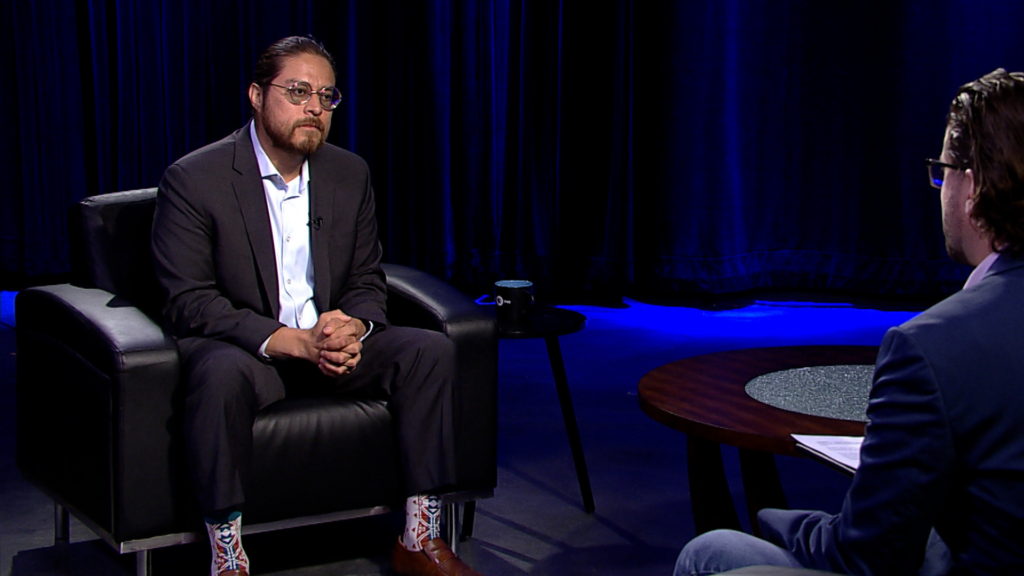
(761, 484)
(712, 503)
(569, 416)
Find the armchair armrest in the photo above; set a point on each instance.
(421, 300)
(97, 386)
(107, 331)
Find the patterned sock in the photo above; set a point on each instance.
(422, 521)
(226, 545)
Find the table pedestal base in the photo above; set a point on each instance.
(705, 397)
(713, 508)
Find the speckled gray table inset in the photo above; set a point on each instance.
(830, 391)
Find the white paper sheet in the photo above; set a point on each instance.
(843, 451)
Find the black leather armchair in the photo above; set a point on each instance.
(99, 402)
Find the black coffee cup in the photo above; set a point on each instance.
(514, 298)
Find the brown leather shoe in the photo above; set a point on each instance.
(436, 559)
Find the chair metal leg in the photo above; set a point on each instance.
(468, 518)
(143, 563)
(451, 530)
(61, 525)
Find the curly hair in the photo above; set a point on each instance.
(269, 64)
(986, 134)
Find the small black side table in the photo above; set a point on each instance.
(549, 323)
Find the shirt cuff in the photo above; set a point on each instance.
(263, 347)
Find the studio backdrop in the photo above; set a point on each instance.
(591, 146)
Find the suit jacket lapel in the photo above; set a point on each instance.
(252, 202)
(321, 202)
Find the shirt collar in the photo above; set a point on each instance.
(267, 168)
(982, 268)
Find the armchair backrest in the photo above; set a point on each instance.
(110, 236)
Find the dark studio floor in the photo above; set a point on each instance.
(535, 524)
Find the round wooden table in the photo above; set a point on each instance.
(705, 398)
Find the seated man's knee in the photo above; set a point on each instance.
(439, 347)
(427, 345)
(220, 372)
(722, 550)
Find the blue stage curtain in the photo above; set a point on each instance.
(769, 144)
(783, 142)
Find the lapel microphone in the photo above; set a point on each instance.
(316, 223)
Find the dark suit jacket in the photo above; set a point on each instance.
(213, 247)
(944, 446)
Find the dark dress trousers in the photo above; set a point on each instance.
(944, 447)
(214, 256)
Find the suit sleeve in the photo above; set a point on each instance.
(906, 465)
(183, 255)
(363, 295)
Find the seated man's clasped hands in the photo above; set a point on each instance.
(334, 344)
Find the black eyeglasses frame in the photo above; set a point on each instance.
(936, 177)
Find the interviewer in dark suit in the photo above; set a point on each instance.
(266, 245)
(944, 447)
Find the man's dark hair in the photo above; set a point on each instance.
(269, 64)
(986, 134)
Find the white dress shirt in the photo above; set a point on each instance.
(288, 206)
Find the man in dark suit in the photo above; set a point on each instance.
(266, 245)
(940, 488)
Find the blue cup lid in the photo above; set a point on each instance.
(513, 283)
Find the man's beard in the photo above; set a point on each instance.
(953, 235)
(310, 142)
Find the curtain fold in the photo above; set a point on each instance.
(593, 147)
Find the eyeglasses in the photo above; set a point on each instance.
(300, 92)
(936, 174)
